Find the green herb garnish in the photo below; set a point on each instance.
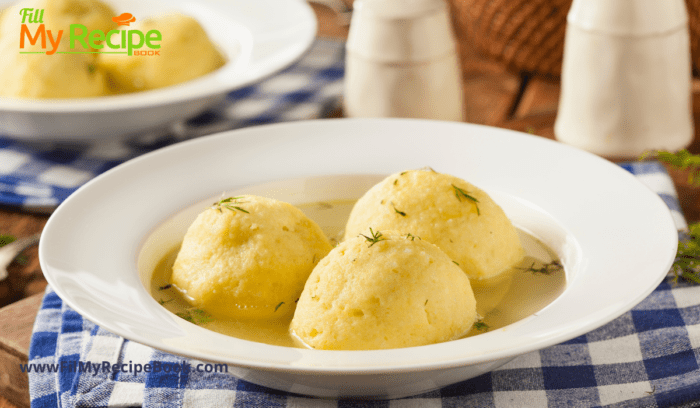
(6, 239)
(545, 269)
(481, 326)
(411, 237)
(376, 237)
(22, 260)
(687, 263)
(459, 193)
(162, 302)
(681, 160)
(196, 316)
(401, 213)
(455, 262)
(278, 305)
(230, 203)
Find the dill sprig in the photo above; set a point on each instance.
(376, 237)
(6, 239)
(545, 269)
(196, 316)
(459, 193)
(401, 213)
(278, 305)
(481, 326)
(411, 237)
(231, 203)
(681, 160)
(687, 263)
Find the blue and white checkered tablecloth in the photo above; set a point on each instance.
(38, 175)
(649, 357)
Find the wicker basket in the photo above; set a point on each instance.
(526, 35)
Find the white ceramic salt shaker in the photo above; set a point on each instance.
(626, 77)
(402, 61)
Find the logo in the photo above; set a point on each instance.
(122, 41)
(124, 20)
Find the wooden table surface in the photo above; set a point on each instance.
(493, 96)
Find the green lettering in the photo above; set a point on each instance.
(95, 38)
(79, 37)
(153, 35)
(130, 40)
(111, 33)
(26, 13)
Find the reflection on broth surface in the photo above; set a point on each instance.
(525, 289)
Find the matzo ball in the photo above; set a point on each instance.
(459, 218)
(390, 292)
(248, 257)
(59, 15)
(47, 76)
(58, 75)
(185, 53)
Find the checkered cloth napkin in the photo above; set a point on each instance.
(38, 175)
(649, 357)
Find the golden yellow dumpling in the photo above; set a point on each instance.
(389, 291)
(185, 53)
(59, 15)
(459, 218)
(248, 257)
(47, 76)
(93, 14)
(58, 75)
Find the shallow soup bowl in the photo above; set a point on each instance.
(99, 248)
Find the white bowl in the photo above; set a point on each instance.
(258, 38)
(614, 236)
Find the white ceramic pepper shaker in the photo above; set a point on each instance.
(402, 61)
(626, 77)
